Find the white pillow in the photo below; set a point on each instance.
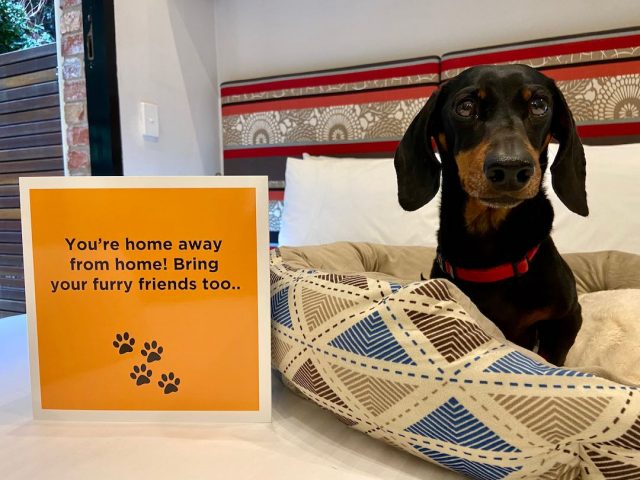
(356, 200)
(347, 199)
(613, 195)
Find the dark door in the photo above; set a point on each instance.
(103, 112)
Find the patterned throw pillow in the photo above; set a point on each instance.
(410, 364)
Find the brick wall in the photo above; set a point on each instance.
(74, 94)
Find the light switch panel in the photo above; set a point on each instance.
(149, 120)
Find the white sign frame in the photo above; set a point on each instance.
(260, 184)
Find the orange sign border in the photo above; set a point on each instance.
(259, 183)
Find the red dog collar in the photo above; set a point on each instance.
(488, 275)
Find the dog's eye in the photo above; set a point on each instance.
(538, 106)
(466, 108)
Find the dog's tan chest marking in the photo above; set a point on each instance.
(481, 219)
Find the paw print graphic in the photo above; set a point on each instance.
(169, 383)
(124, 343)
(141, 375)
(152, 351)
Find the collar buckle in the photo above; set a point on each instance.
(522, 264)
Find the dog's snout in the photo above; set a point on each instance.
(507, 173)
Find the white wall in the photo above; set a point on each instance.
(270, 37)
(174, 53)
(166, 55)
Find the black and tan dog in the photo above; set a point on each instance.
(492, 126)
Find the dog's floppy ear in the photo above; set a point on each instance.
(417, 168)
(568, 172)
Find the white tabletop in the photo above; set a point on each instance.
(303, 441)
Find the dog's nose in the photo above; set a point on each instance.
(508, 173)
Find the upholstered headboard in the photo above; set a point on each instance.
(364, 110)
(599, 75)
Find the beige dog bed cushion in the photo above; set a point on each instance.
(414, 363)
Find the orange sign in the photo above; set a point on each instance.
(148, 295)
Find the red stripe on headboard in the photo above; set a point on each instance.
(541, 51)
(429, 67)
(323, 149)
(330, 100)
(275, 195)
(568, 72)
(621, 129)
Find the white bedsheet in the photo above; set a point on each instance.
(302, 442)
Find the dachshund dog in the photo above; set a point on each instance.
(491, 126)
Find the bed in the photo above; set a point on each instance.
(351, 120)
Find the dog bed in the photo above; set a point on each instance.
(414, 363)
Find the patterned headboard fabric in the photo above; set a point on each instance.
(599, 75)
(360, 111)
(363, 111)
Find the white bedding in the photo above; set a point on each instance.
(329, 200)
(613, 195)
